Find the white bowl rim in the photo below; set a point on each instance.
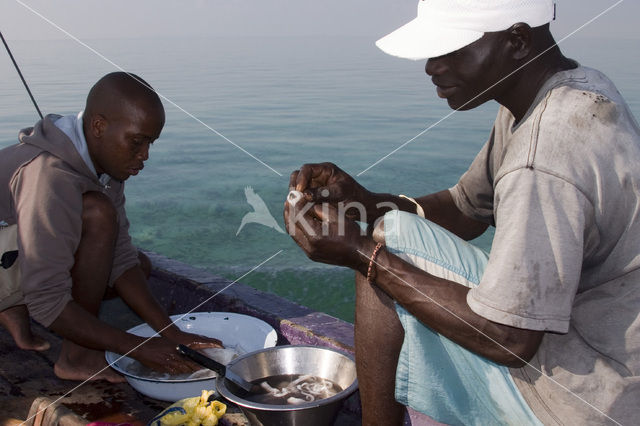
(112, 357)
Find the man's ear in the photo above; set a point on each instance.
(98, 125)
(520, 40)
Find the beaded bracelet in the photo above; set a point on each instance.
(371, 269)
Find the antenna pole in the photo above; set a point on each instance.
(20, 74)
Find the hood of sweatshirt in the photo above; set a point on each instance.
(47, 137)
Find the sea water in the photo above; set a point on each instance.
(283, 101)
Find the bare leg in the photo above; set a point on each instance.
(378, 336)
(16, 320)
(90, 275)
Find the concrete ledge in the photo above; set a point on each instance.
(182, 288)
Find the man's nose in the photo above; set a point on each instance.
(143, 154)
(434, 66)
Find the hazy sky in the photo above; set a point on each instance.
(87, 19)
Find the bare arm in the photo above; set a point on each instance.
(442, 305)
(438, 208)
(133, 289)
(81, 327)
(438, 303)
(327, 182)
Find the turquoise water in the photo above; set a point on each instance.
(286, 101)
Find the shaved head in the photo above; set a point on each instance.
(121, 120)
(116, 93)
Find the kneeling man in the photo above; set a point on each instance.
(64, 233)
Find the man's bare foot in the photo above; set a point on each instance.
(80, 363)
(16, 321)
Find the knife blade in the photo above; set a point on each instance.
(214, 365)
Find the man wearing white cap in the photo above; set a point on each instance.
(545, 330)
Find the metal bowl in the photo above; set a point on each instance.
(246, 332)
(327, 363)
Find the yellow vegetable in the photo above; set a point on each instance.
(218, 408)
(194, 411)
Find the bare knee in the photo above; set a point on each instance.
(370, 296)
(98, 212)
(145, 264)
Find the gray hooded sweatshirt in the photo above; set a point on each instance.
(42, 180)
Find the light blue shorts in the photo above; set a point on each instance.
(436, 376)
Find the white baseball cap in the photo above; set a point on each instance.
(444, 26)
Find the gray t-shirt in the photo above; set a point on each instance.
(562, 188)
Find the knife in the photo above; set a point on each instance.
(214, 365)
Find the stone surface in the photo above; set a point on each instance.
(26, 375)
